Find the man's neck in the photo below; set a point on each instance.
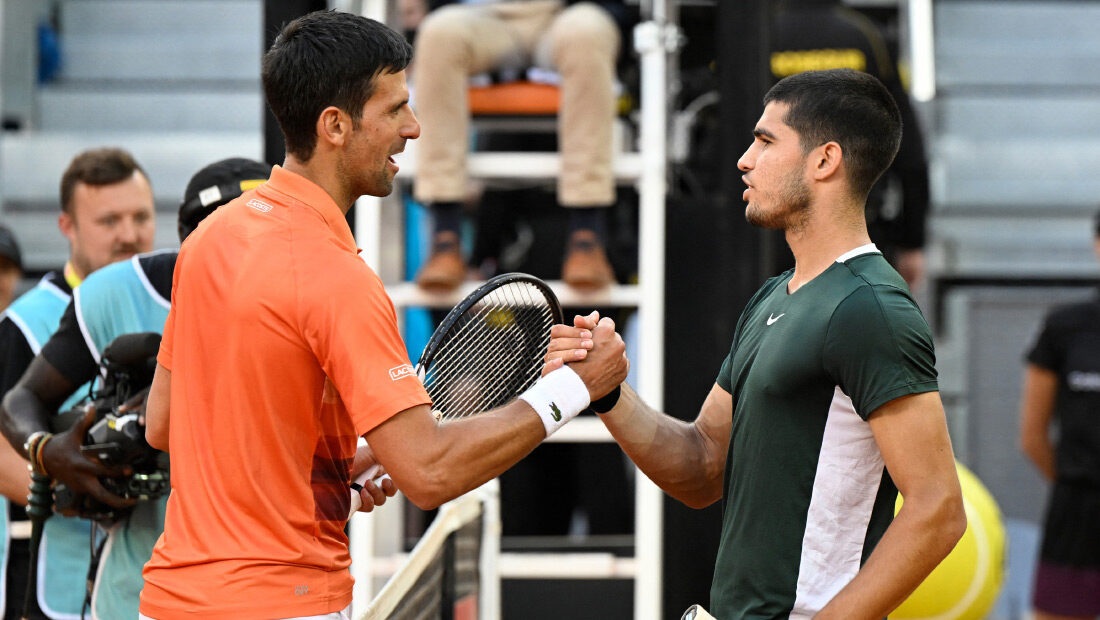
(72, 277)
(821, 241)
(324, 176)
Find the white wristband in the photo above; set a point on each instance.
(557, 397)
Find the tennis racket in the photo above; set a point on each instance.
(486, 351)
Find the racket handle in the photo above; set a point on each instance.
(357, 486)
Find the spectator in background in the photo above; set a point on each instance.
(1062, 388)
(107, 215)
(125, 297)
(581, 43)
(11, 266)
(825, 34)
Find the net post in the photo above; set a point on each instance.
(489, 607)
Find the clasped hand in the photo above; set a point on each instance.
(593, 349)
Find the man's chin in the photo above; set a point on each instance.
(761, 220)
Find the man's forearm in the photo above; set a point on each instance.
(14, 475)
(21, 415)
(921, 536)
(676, 455)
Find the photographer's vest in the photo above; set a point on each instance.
(117, 300)
(64, 554)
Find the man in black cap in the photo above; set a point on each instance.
(125, 297)
(11, 266)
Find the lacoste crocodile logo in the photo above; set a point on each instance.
(555, 412)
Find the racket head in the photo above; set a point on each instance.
(490, 347)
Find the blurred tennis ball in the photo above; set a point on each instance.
(965, 585)
(500, 318)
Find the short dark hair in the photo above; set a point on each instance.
(849, 107)
(99, 166)
(326, 58)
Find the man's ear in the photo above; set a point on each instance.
(826, 160)
(67, 225)
(333, 126)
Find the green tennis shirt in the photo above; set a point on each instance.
(807, 494)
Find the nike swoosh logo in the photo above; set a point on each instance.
(773, 319)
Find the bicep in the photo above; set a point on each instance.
(402, 442)
(714, 424)
(15, 355)
(911, 433)
(69, 352)
(157, 410)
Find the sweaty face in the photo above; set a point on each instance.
(386, 123)
(777, 194)
(109, 223)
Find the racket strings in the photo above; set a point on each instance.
(495, 352)
(491, 371)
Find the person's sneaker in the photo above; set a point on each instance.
(586, 265)
(444, 270)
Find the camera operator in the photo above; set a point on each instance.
(127, 297)
(107, 215)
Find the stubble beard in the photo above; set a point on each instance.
(791, 212)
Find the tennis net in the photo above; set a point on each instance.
(451, 572)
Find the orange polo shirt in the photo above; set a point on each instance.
(284, 348)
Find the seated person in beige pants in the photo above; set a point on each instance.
(581, 43)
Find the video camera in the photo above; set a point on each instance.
(117, 437)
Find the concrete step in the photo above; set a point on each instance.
(1015, 176)
(200, 106)
(1042, 115)
(158, 39)
(989, 43)
(1004, 246)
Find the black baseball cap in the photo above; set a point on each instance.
(215, 185)
(9, 248)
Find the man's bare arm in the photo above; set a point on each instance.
(686, 459)
(157, 411)
(433, 463)
(30, 406)
(911, 433)
(23, 413)
(1036, 412)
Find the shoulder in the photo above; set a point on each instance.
(875, 292)
(158, 259)
(1065, 322)
(1074, 314)
(40, 307)
(158, 268)
(51, 286)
